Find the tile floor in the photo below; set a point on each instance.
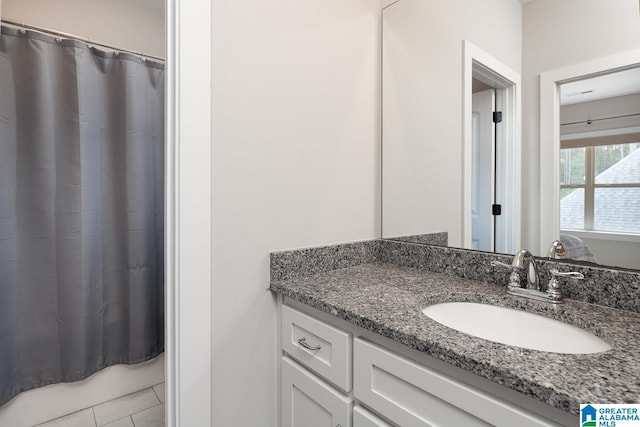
(144, 408)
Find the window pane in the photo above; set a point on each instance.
(572, 165)
(617, 164)
(617, 209)
(572, 208)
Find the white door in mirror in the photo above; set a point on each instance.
(514, 327)
(482, 170)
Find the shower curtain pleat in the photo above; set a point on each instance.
(8, 224)
(81, 210)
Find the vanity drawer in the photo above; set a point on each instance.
(320, 347)
(413, 395)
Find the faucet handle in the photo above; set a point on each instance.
(514, 278)
(553, 288)
(572, 274)
(501, 264)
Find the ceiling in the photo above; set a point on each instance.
(606, 86)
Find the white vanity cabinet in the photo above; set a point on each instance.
(316, 385)
(390, 387)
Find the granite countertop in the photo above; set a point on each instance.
(388, 299)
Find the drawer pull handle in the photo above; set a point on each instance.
(303, 342)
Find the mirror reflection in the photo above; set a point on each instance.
(455, 174)
(600, 167)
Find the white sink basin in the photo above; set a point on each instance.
(515, 327)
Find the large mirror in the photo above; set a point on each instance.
(543, 167)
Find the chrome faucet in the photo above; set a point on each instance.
(518, 266)
(520, 261)
(524, 261)
(557, 250)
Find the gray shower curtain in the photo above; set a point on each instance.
(81, 210)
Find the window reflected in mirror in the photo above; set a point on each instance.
(600, 155)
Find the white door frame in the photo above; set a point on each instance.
(485, 67)
(550, 82)
(188, 203)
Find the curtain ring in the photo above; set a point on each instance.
(23, 31)
(58, 40)
(116, 53)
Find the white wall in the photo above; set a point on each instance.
(615, 253)
(422, 111)
(126, 24)
(558, 33)
(295, 163)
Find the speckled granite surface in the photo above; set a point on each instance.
(601, 285)
(459, 262)
(435, 239)
(307, 261)
(388, 298)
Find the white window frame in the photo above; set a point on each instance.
(589, 194)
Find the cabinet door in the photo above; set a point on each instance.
(309, 402)
(364, 418)
(414, 395)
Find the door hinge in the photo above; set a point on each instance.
(496, 209)
(497, 116)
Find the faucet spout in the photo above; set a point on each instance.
(525, 260)
(556, 250)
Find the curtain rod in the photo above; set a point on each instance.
(589, 121)
(74, 37)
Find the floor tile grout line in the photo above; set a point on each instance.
(156, 393)
(124, 395)
(95, 420)
(66, 415)
(142, 410)
(131, 415)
